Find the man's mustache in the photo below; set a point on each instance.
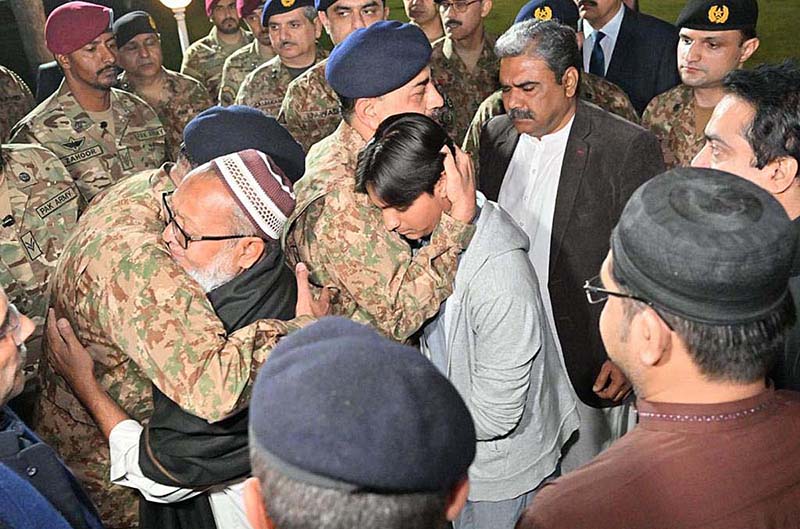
(102, 71)
(520, 113)
(286, 43)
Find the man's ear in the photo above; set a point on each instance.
(317, 27)
(486, 8)
(749, 47)
(655, 337)
(366, 111)
(457, 499)
(323, 18)
(62, 61)
(783, 173)
(570, 81)
(254, 505)
(248, 251)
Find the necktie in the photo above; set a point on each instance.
(597, 62)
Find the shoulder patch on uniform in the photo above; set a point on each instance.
(32, 247)
(86, 154)
(56, 203)
(149, 134)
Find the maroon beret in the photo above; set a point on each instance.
(210, 6)
(75, 24)
(245, 7)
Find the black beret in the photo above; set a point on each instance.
(339, 406)
(564, 11)
(323, 5)
(132, 24)
(276, 7)
(219, 131)
(376, 60)
(719, 15)
(705, 245)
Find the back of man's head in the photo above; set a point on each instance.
(711, 254)
(350, 430)
(773, 90)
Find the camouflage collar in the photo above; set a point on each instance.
(320, 56)
(78, 118)
(487, 53)
(213, 36)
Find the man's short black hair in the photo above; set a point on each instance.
(774, 92)
(403, 160)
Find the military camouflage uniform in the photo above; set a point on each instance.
(265, 87)
(143, 319)
(237, 68)
(93, 156)
(310, 108)
(181, 99)
(16, 100)
(463, 91)
(593, 88)
(205, 58)
(671, 117)
(39, 206)
(340, 236)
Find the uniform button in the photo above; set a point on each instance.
(31, 471)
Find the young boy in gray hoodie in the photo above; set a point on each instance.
(490, 337)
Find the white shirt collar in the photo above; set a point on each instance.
(557, 138)
(611, 29)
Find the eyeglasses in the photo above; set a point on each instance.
(460, 6)
(597, 293)
(183, 238)
(11, 325)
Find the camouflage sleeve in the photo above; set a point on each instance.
(653, 120)
(244, 95)
(190, 66)
(165, 323)
(227, 88)
(489, 108)
(290, 114)
(391, 290)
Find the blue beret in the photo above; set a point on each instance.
(373, 61)
(563, 11)
(339, 406)
(219, 131)
(277, 7)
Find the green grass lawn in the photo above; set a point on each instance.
(778, 20)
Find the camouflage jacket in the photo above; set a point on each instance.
(205, 58)
(143, 319)
(671, 117)
(15, 99)
(341, 237)
(463, 91)
(310, 108)
(593, 88)
(265, 87)
(93, 156)
(39, 206)
(237, 68)
(181, 99)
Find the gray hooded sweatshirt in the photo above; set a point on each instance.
(501, 356)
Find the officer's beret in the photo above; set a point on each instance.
(75, 24)
(210, 6)
(245, 7)
(705, 245)
(339, 406)
(224, 130)
(323, 5)
(564, 11)
(375, 60)
(719, 15)
(276, 7)
(132, 24)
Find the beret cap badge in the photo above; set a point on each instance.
(718, 14)
(543, 13)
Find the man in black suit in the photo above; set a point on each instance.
(632, 50)
(564, 170)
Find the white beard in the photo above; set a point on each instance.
(215, 274)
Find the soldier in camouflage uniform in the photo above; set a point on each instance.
(175, 97)
(708, 48)
(145, 320)
(205, 58)
(593, 88)
(39, 206)
(245, 60)
(425, 14)
(294, 31)
(310, 108)
(337, 232)
(16, 100)
(464, 65)
(100, 134)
